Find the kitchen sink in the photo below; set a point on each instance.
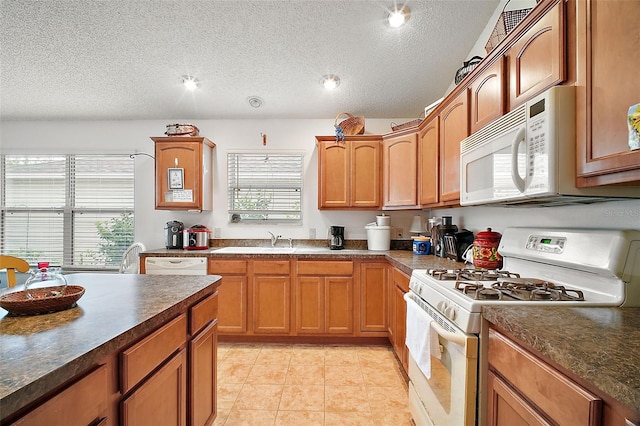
(255, 250)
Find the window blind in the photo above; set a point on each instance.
(70, 210)
(265, 187)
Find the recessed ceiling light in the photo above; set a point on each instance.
(398, 16)
(190, 83)
(255, 101)
(330, 81)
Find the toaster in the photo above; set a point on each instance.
(456, 244)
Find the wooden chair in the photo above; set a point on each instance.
(130, 263)
(13, 264)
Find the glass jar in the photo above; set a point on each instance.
(45, 282)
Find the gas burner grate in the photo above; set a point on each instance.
(478, 291)
(536, 290)
(469, 274)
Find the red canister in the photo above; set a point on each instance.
(485, 250)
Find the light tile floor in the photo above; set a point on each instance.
(282, 384)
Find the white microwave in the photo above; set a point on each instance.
(529, 156)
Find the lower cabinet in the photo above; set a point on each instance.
(523, 389)
(398, 286)
(325, 297)
(373, 297)
(271, 291)
(162, 398)
(232, 294)
(202, 376)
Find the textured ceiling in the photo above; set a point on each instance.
(117, 59)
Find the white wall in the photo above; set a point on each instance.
(126, 137)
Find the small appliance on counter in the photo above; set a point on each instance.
(456, 244)
(446, 228)
(336, 237)
(196, 238)
(173, 234)
(378, 236)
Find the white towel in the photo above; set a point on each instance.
(421, 340)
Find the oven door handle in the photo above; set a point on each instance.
(449, 336)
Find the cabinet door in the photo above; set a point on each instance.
(608, 84)
(454, 127)
(487, 95)
(232, 305)
(162, 398)
(400, 334)
(537, 59)
(428, 169)
(338, 305)
(506, 407)
(365, 174)
(271, 304)
(399, 176)
(310, 305)
(202, 376)
(333, 175)
(373, 297)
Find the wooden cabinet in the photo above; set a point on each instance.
(373, 297)
(398, 286)
(324, 297)
(487, 93)
(399, 171)
(523, 389)
(349, 172)
(233, 295)
(161, 399)
(202, 376)
(536, 60)
(428, 162)
(607, 85)
(271, 291)
(184, 174)
(454, 127)
(82, 403)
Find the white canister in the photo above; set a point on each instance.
(383, 220)
(378, 237)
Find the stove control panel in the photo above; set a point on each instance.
(546, 244)
(447, 309)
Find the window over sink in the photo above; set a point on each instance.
(76, 211)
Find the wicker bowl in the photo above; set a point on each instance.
(350, 126)
(17, 302)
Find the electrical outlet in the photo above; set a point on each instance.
(312, 233)
(400, 232)
(217, 233)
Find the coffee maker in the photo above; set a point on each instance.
(336, 237)
(173, 234)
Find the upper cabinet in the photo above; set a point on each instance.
(536, 60)
(607, 85)
(428, 155)
(487, 95)
(184, 175)
(349, 172)
(454, 127)
(399, 171)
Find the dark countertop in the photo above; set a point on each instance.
(599, 345)
(38, 353)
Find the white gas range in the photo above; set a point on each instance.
(574, 267)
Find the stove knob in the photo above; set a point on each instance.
(450, 312)
(441, 306)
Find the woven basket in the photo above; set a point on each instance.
(506, 22)
(466, 68)
(351, 126)
(185, 129)
(407, 125)
(18, 304)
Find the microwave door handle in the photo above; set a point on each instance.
(515, 175)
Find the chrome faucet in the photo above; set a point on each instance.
(274, 238)
(290, 242)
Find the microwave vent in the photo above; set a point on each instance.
(496, 128)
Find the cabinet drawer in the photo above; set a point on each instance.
(325, 268)
(143, 357)
(271, 267)
(82, 403)
(227, 267)
(561, 399)
(203, 313)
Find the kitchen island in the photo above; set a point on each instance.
(42, 354)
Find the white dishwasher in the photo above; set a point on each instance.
(176, 265)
